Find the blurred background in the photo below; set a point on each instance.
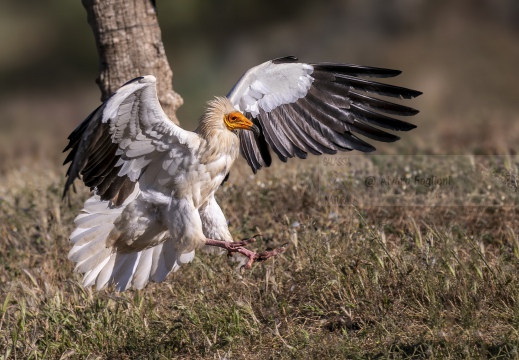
(462, 54)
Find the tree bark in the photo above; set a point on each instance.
(129, 44)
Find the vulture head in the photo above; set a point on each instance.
(221, 115)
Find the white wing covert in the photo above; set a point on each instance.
(315, 108)
(112, 147)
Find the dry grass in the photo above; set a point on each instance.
(356, 281)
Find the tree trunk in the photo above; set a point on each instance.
(129, 43)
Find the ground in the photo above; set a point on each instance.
(372, 270)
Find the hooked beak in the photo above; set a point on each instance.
(255, 129)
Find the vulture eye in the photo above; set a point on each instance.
(234, 118)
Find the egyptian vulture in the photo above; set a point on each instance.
(153, 182)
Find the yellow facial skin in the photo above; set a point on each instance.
(236, 120)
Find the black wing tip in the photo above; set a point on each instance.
(285, 59)
(411, 112)
(268, 161)
(354, 73)
(406, 93)
(394, 138)
(368, 86)
(356, 70)
(408, 127)
(138, 78)
(66, 188)
(414, 94)
(367, 149)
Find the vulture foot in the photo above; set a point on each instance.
(240, 247)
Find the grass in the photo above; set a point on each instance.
(357, 281)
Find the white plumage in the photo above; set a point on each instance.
(270, 85)
(153, 183)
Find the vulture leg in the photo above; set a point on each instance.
(240, 247)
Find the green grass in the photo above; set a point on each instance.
(356, 281)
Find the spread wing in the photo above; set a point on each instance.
(114, 145)
(316, 108)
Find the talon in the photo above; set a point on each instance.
(240, 247)
(248, 265)
(265, 255)
(247, 241)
